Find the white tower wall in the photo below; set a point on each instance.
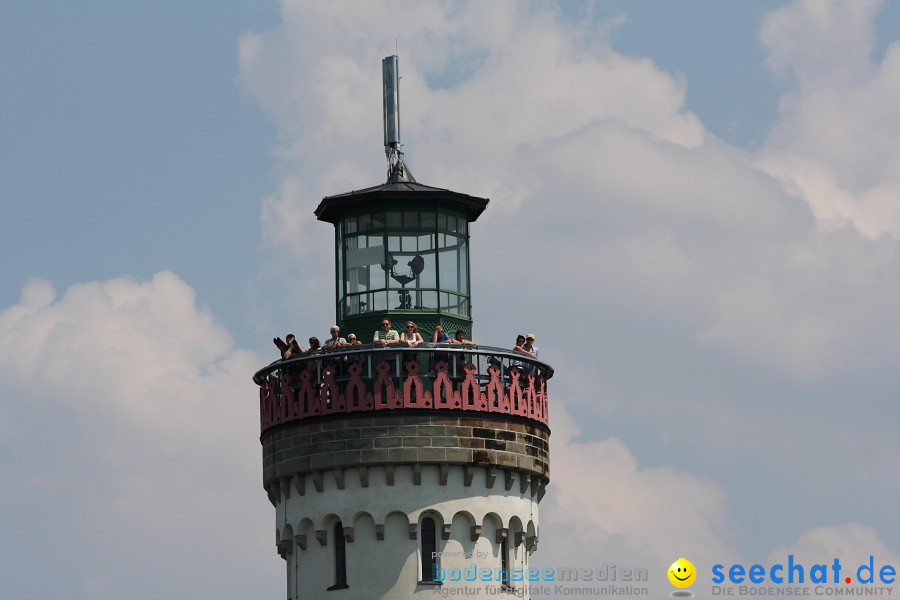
(383, 543)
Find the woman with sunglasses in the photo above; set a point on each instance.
(411, 336)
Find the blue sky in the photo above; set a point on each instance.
(132, 143)
(694, 206)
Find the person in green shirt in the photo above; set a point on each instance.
(386, 336)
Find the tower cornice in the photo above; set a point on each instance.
(332, 208)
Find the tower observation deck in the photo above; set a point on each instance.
(395, 469)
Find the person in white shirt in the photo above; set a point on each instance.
(335, 341)
(411, 336)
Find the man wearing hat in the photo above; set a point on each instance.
(529, 345)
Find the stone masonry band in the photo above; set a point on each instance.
(327, 444)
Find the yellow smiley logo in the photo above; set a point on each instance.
(682, 573)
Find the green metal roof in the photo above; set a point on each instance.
(332, 208)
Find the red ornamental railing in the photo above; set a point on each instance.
(474, 379)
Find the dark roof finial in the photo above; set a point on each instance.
(393, 149)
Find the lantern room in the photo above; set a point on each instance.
(402, 248)
(402, 252)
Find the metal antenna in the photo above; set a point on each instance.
(393, 149)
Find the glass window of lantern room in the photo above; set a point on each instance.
(340, 261)
(453, 261)
(410, 220)
(360, 268)
(411, 266)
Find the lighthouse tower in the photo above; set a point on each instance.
(394, 469)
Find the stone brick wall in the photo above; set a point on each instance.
(429, 438)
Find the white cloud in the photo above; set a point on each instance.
(657, 513)
(555, 79)
(837, 140)
(130, 445)
(851, 543)
(820, 43)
